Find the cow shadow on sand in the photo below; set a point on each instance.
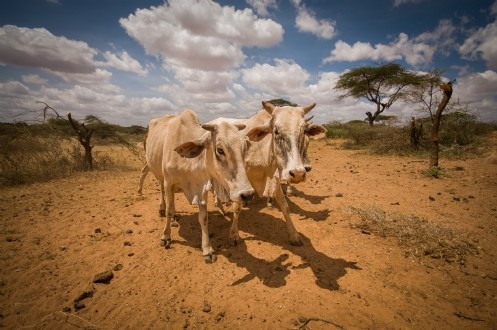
(296, 210)
(272, 230)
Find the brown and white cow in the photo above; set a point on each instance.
(283, 151)
(185, 156)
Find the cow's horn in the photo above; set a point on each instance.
(309, 107)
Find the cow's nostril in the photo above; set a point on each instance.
(292, 174)
(247, 196)
(308, 168)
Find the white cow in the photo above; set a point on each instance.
(183, 155)
(284, 151)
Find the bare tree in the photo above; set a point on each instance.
(84, 134)
(84, 137)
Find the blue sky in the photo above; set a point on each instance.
(128, 61)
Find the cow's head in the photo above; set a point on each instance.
(291, 132)
(225, 147)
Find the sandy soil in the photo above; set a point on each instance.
(55, 237)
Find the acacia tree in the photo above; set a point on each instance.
(382, 85)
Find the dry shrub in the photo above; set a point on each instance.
(25, 159)
(419, 237)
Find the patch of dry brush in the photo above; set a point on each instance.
(418, 236)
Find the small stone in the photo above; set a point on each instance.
(127, 243)
(118, 267)
(339, 195)
(457, 199)
(219, 316)
(206, 308)
(431, 198)
(302, 319)
(129, 231)
(104, 277)
(79, 305)
(98, 231)
(85, 294)
(66, 309)
(131, 254)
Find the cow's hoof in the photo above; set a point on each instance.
(165, 243)
(174, 224)
(270, 206)
(233, 241)
(210, 258)
(297, 242)
(162, 213)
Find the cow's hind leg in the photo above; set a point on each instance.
(143, 174)
(234, 237)
(292, 232)
(169, 211)
(207, 250)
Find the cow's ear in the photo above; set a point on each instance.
(269, 107)
(308, 108)
(259, 132)
(315, 131)
(194, 148)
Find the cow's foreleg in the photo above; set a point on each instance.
(162, 204)
(169, 210)
(234, 237)
(292, 232)
(207, 250)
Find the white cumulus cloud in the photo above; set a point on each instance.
(482, 44)
(307, 22)
(283, 78)
(413, 52)
(200, 34)
(261, 6)
(39, 48)
(124, 62)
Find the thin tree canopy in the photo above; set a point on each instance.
(281, 102)
(382, 85)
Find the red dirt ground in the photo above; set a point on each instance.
(56, 236)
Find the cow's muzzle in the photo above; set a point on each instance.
(297, 176)
(247, 195)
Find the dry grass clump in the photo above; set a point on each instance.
(419, 237)
(28, 159)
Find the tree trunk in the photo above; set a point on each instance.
(380, 107)
(447, 91)
(416, 133)
(370, 118)
(84, 137)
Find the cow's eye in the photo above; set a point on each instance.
(276, 132)
(220, 151)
